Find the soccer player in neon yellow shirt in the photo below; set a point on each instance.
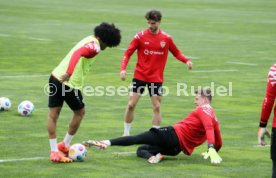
(67, 80)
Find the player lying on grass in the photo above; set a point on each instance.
(67, 80)
(200, 125)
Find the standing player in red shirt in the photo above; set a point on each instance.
(267, 106)
(200, 125)
(152, 47)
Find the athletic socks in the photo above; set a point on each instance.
(156, 126)
(53, 144)
(106, 142)
(127, 127)
(67, 139)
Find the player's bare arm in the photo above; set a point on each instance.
(64, 77)
(123, 75)
(190, 65)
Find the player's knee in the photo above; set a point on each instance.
(139, 151)
(80, 113)
(156, 108)
(131, 106)
(143, 151)
(54, 115)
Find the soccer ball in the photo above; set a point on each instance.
(5, 104)
(25, 108)
(77, 152)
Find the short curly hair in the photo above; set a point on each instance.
(154, 15)
(108, 34)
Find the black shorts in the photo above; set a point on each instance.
(273, 144)
(167, 136)
(164, 137)
(58, 93)
(154, 88)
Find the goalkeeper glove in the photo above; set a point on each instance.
(262, 132)
(214, 156)
(205, 155)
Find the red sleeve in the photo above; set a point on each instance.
(176, 53)
(269, 97)
(218, 140)
(207, 121)
(268, 103)
(130, 50)
(88, 51)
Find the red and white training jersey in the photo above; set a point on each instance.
(272, 75)
(200, 125)
(152, 53)
(269, 99)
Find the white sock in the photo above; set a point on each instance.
(53, 144)
(67, 139)
(156, 126)
(107, 142)
(127, 127)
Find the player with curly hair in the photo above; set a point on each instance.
(67, 80)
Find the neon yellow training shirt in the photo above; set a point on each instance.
(79, 54)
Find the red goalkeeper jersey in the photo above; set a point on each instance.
(269, 99)
(200, 125)
(152, 53)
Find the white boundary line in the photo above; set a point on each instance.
(129, 73)
(124, 153)
(261, 146)
(215, 71)
(22, 159)
(32, 38)
(24, 76)
(241, 63)
(192, 57)
(39, 39)
(111, 73)
(4, 35)
(118, 73)
(122, 49)
(48, 75)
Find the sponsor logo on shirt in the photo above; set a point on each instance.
(150, 52)
(146, 43)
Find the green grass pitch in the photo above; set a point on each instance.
(228, 41)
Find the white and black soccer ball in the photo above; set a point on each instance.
(25, 108)
(77, 152)
(5, 104)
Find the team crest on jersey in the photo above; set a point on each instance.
(162, 44)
